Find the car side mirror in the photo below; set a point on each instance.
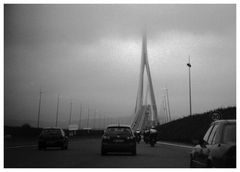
(195, 142)
(202, 143)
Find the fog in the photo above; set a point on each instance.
(90, 55)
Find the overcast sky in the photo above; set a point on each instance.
(90, 55)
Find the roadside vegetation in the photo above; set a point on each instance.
(192, 127)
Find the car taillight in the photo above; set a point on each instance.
(130, 138)
(106, 137)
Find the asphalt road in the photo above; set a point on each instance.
(85, 153)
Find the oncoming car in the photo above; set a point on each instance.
(118, 138)
(218, 146)
(52, 137)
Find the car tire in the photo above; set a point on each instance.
(103, 152)
(39, 147)
(62, 146)
(191, 162)
(134, 152)
(209, 164)
(66, 147)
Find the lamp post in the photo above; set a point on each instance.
(94, 116)
(165, 108)
(88, 118)
(57, 111)
(166, 100)
(80, 116)
(168, 105)
(189, 72)
(70, 115)
(39, 108)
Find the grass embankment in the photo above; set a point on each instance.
(191, 127)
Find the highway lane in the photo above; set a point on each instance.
(85, 153)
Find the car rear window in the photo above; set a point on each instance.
(118, 131)
(205, 138)
(229, 133)
(51, 132)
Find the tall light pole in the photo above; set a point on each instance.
(39, 108)
(165, 108)
(104, 121)
(94, 118)
(168, 105)
(80, 116)
(100, 121)
(190, 100)
(88, 118)
(57, 111)
(70, 115)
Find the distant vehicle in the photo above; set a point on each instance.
(118, 138)
(146, 136)
(52, 137)
(137, 135)
(152, 137)
(218, 146)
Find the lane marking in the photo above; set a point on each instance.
(171, 144)
(22, 146)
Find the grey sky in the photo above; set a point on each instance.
(90, 54)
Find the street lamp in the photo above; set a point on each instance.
(39, 107)
(57, 111)
(189, 72)
(168, 106)
(70, 115)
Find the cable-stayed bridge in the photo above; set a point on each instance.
(145, 114)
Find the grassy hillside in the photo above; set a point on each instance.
(192, 127)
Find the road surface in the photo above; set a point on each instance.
(85, 153)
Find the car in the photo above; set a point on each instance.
(218, 146)
(137, 135)
(146, 135)
(118, 138)
(52, 137)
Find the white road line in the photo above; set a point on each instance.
(22, 146)
(178, 145)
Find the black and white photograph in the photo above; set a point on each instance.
(119, 85)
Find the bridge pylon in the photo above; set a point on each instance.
(145, 115)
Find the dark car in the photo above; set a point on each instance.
(146, 135)
(118, 138)
(52, 137)
(218, 146)
(137, 135)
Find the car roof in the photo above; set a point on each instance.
(118, 125)
(224, 121)
(52, 128)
